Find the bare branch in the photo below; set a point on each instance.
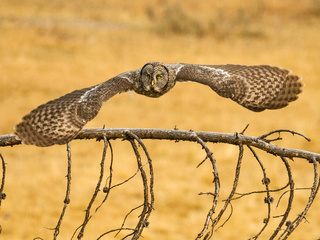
(140, 224)
(2, 194)
(234, 187)
(67, 198)
(216, 180)
(290, 200)
(126, 217)
(291, 226)
(147, 207)
(134, 136)
(266, 182)
(150, 172)
(97, 189)
(182, 135)
(284, 130)
(107, 187)
(115, 230)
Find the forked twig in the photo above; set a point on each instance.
(266, 182)
(216, 180)
(234, 187)
(264, 136)
(284, 193)
(96, 191)
(151, 172)
(290, 200)
(262, 191)
(284, 228)
(291, 226)
(126, 217)
(148, 193)
(67, 197)
(106, 189)
(115, 230)
(147, 206)
(2, 194)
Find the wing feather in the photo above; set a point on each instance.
(254, 87)
(59, 121)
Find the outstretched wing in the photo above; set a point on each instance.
(254, 87)
(60, 120)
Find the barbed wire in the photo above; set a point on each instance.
(212, 221)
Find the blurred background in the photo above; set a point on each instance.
(50, 48)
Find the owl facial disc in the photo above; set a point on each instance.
(154, 80)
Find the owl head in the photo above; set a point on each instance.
(155, 80)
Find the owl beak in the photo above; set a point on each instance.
(152, 82)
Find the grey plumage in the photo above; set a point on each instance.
(254, 87)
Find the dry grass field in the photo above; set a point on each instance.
(49, 48)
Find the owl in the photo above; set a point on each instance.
(254, 87)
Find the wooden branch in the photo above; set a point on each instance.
(67, 197)
(96, 191)
(183, 135)
(264, 142)
(2, 194)
(216, 181)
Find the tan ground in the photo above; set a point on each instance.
(50, 48)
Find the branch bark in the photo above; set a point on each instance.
(264, 142)
(183, 135)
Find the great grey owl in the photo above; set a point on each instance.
(254, 87)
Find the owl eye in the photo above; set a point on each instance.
(148, 76)
(158, 76)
